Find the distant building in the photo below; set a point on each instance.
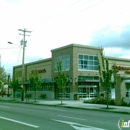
(81, 67)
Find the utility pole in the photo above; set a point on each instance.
(23, 42)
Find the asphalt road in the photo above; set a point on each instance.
(18, 116)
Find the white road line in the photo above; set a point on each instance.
(55, 109)
(72, 117)
(78, 126)
(19, 122)
(4, 107)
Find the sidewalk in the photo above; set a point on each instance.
(72, 104)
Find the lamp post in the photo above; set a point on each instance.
(23, 43)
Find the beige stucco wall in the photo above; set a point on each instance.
(73, 50)
(60, 52)
(82, 50)
(120, 87)
(17, 73)
(43, 66)
(28, 67)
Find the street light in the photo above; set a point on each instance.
(23, 43)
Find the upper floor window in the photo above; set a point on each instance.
(65, 59)
(87, 62)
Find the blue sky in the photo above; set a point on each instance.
(55, 23)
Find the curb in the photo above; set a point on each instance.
(59, 105)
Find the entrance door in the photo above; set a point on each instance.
(87, 92)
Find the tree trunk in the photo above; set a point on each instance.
(22, 96)
(35, 95)
(61, 95)
(107, 99)
(14, 94)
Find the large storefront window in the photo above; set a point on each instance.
(87, 62)
(127, 89)
(65, 94)
(87, 92)
(88, 87)
(65, 59)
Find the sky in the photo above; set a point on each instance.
(56, 23)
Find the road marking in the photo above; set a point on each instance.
(72, 117)
(4, 107)
(78, 126)
(55, 109)
(19, 122)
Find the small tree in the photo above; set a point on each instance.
(34, 81)
(14, 84)
(61, 78)
(105, 75)
(3, 78)
(3, 75)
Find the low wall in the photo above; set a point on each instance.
(126, 99)
(49, 94)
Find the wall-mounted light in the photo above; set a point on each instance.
(76, 80)
(71, 80)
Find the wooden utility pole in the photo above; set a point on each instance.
(23, 42)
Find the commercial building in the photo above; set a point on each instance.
(81, 67)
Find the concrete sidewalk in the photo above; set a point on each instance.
(80, 105)
(72, 104)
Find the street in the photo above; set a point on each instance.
(19, 116)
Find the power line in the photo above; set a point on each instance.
(110, 32)
(19, 55)
(50, 16)
(68, 7)
(76, 6)
(10, 48)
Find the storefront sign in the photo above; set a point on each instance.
(122, 68)
(127, 71)
(40, 71)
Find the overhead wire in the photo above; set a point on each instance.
(67, 8)
(19, 55)
(9, 48)
(111, 32)
(15, 48)
(50, 16)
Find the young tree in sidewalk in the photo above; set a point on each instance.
(61, 79)
(3, 78)
(14, 84)
(106, 75)
(34, 81)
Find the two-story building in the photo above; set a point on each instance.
(80, 64)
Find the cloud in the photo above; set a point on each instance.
(114, 39)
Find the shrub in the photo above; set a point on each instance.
(28, 95)
(102, 101)
(18, 95)
(123, 103)
(111, 102)
(43, 96)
